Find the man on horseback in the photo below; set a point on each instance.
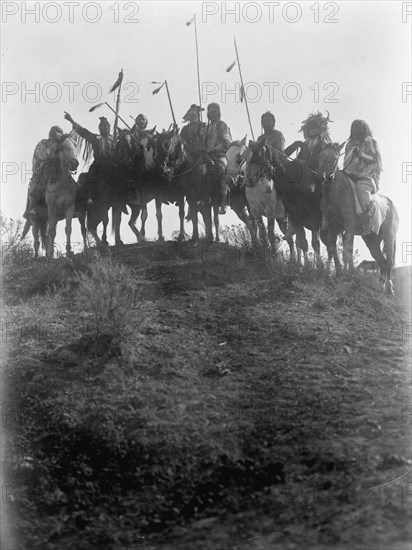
(316, 133)
(46, 150)
(216, 142)
(363, 165)
(193, 132)
(103, 145)
(271, 139)
(139, 128)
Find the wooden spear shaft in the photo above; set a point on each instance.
(171, 106)
(243, 89)
(117, 106)
(198, 70)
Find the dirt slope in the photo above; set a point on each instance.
(299, 383)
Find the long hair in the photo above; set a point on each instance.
(359, 130)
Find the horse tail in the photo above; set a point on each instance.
(392, 233)
(43, 232)
(26, 229)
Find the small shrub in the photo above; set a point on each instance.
(109, 294)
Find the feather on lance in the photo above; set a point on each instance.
(117, 83)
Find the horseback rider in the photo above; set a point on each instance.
(46, 150)
(217, 140)
(193, 132)
(139, 128)
(316, 133)
(363, 165)
(103, 145)
(271, 139)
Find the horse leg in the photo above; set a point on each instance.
(348, 237)
(181, 205)
(216, 222)
(206, 211)
(92, 224)
(252, 226)
(262, 231)
(316, 244)
(68, 230)
(50, 238)
(385, 264)
(195, 234)
(105, 221)
(271, 232)
(36, 241)
(143, 226)
(116, 222)
(82, 221)
(288, 232)
(132, 222)
(302, 244)
(159, 217)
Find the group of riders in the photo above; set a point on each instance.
(362, 162)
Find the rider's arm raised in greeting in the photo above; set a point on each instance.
(83, 132)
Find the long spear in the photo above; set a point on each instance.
(242, 90)
(168, 95)
(197, 61)
(117, 84)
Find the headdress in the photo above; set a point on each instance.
(320, 121)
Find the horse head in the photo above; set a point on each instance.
(67, 154)
(328, 161)
(175, 153)
(127, 148)
(235, 162)
(148, 146)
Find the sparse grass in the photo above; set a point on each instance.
(140, 412)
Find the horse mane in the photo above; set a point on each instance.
(83, 148)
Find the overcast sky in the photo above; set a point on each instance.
(351, 58)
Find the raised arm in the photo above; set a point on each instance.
(83, 132)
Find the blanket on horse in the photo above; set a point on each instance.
(378, 209)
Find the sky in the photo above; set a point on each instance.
(350, 58)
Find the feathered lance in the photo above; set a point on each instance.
(242, 88)
(157, 90)
(117, 84)
(193, 20)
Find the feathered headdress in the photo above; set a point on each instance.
(320, 121)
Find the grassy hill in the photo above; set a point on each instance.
(171, 397)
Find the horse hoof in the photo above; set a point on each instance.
(161, 240)
(119, 243)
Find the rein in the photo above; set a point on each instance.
(187, 171)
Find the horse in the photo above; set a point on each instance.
(150, 183)
(300, 191)
(339, 217)
(234, 180)
(61, 200)
(113, 186)
(260, 195)
(195, 176)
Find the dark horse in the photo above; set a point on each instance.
(339, 217)
(300, 192)
(195, 177)
(148, 181)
